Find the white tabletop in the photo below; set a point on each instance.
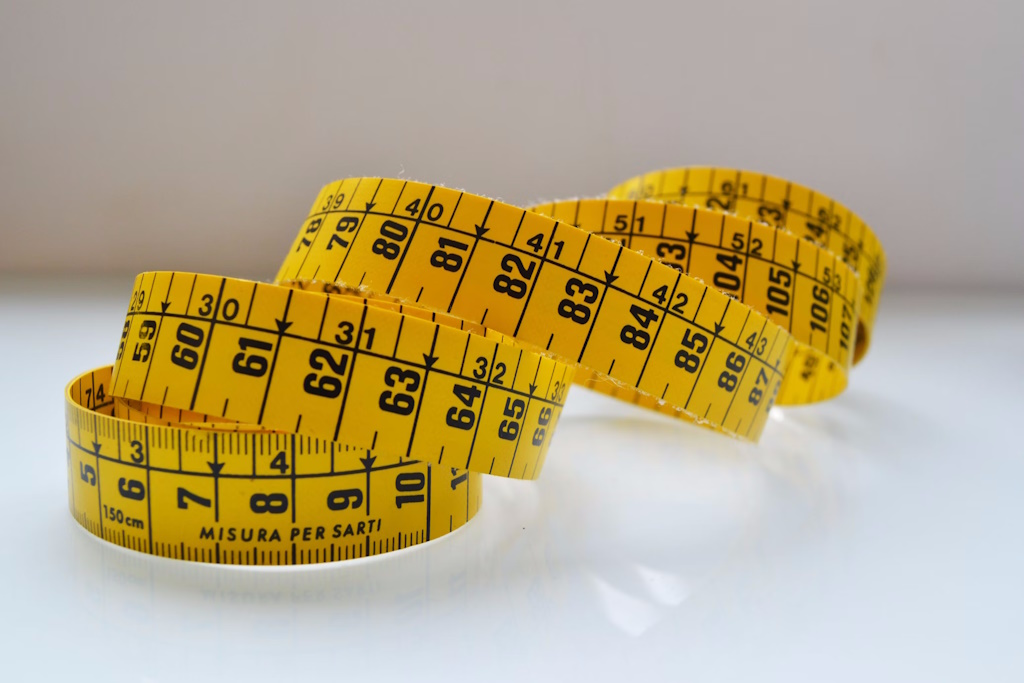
(879, 536)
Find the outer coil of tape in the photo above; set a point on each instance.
(301, 421)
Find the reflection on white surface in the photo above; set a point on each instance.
(664, 588)
(632, 615)
(876, 537)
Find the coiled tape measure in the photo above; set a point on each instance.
(417, 337)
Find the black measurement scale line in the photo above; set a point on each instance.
(831, 304)
(632, 223)
(796, 275)
(545, 259)
(294, 499)
(483, 400)
(423, 392)
(206, 348)
(692, 239)
(323, 224)
(273, 361)
(777, 381)
(739, 382)
(746, 265)
(408, 242)
(711, 345)
(215, 471)
(481, 230)
(430, 500)
(547, 436)
(348, 383)
(156, 336)
(361, 223)
(536, 278)
(640, 291)
(96, 454)
(323, 318)
(465, 355)
(522, 431)
(149, 490)
(661, 323)
(609, 278)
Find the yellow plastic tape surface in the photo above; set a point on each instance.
(417, 337)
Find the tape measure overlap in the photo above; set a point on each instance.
(417, 336)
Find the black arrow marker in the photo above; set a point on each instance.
(215, 467)
(370, 205)
(691, 235)
(429, 360)
(96, 447)
(282, 325)
(720, 325)
(480, 229)
(165, 304)
(609, 278)
(533, 388)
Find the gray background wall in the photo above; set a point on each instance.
(195, 135)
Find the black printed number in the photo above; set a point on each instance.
(778, 292)
(570, 309)
(184, 496)
(688, 358)
(542, 420)
(409, 484)
(87, 473)
(346, 224)
(399, 402)
(392, 234)
(514, 411)
(735, 362)
(273, 503)
(514, 286)
(132, 489)
(251, 364)
(463, 418)
(450, 260)
(327, 385)
(819, 314)
(756, 393)
(638, 336)
(185, 354)
(675, 252)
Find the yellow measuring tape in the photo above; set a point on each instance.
(418, 336)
